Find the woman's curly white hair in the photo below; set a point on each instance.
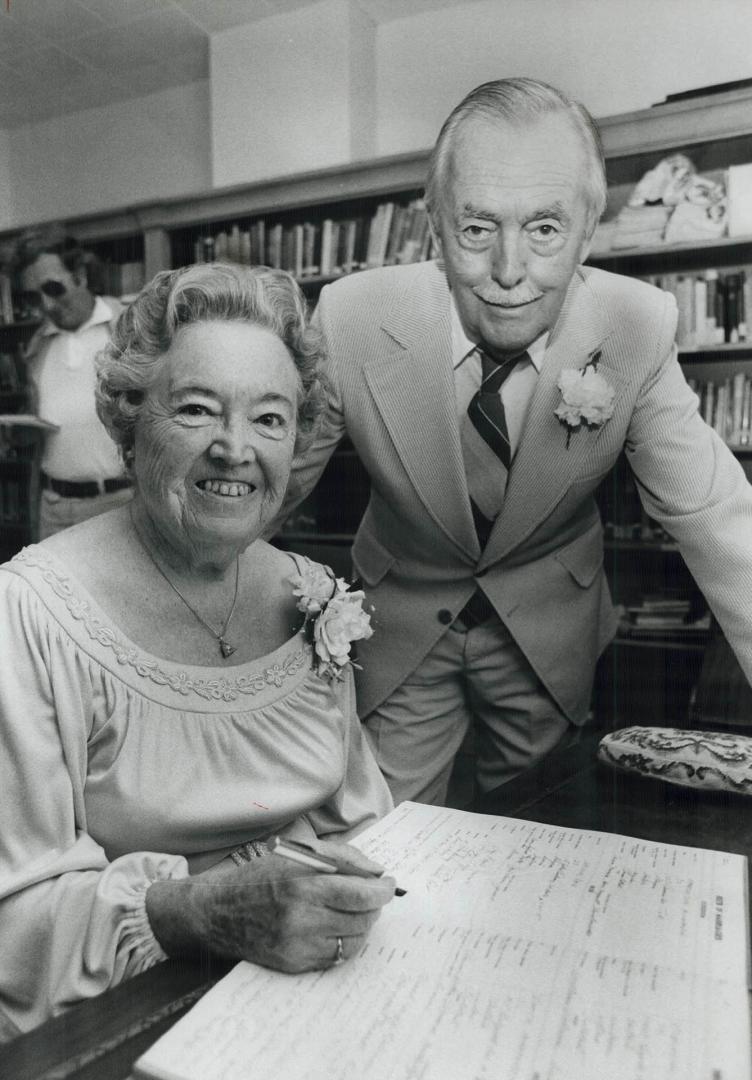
(206, 292)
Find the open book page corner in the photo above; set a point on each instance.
(521, 950)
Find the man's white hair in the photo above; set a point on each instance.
(517, 101)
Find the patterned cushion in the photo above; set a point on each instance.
(715, 761)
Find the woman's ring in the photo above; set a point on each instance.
(340, 954)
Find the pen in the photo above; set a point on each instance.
(305, 855)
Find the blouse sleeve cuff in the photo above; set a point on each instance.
(137, 940)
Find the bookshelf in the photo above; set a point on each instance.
(715, 132)
(19, 446)
(656, 659)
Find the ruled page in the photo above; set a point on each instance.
(520, 951)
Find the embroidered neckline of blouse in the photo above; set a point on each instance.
(222, 688)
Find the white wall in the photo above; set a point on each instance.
(613, 55)
(323, 85)
(284, 100)
(6, 188)
(115, 156)
(288, 92)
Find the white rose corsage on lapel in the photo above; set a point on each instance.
(334, 617)
(586, 398)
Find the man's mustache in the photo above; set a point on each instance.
(492, 294)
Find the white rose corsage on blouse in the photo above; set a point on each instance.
(586, 398)
(334, 617)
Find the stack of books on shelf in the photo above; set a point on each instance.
(713, 306)
(660, 617)
(712, 205)
(727, 407)
(393, 234)
(640, 226)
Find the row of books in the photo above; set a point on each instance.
(726, 405)
(393, 234)
(714, 306)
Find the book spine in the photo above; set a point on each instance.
(327, 234)
(685, 301)
(710, 335)
(737, 408)
(245, 247)
(699, 311)
(384, 231)
(333, 264)
(747, 290)
(233, 244)
(220, 245)
(746, 413)
(275, 246)
(373, 231)
(309, 267)
(731, 321)
(744, 312)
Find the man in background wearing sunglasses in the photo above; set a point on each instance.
(81, 471)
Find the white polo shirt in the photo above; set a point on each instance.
(64, 375)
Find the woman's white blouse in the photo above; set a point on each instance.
(118, 769)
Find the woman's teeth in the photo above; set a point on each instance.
(223, 487)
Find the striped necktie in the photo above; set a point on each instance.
(485, 444)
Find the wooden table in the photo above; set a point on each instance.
(100, 1039)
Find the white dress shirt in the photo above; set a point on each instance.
(517, 389)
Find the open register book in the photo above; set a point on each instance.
(521, 952)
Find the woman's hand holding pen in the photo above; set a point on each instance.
(272, 911)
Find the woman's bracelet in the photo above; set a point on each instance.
(252, 849)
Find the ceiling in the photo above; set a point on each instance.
(60, 56)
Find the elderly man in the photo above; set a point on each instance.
(488, 394)
(81, 470)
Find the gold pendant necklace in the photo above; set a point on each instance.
(225, 648)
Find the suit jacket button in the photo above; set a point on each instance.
(445, 616)
(481, 573)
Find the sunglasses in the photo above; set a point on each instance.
(53, 289)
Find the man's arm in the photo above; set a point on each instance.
(692, 484)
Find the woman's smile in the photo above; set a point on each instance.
(232, 488)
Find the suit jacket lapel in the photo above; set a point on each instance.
(543, 466)
(413, 388)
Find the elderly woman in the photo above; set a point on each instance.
(174, 690)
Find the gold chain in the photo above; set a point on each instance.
(225, 648)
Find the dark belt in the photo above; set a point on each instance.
(477, 610)
(84, 489)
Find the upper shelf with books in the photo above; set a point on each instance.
(356, 235)
(716, 130)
